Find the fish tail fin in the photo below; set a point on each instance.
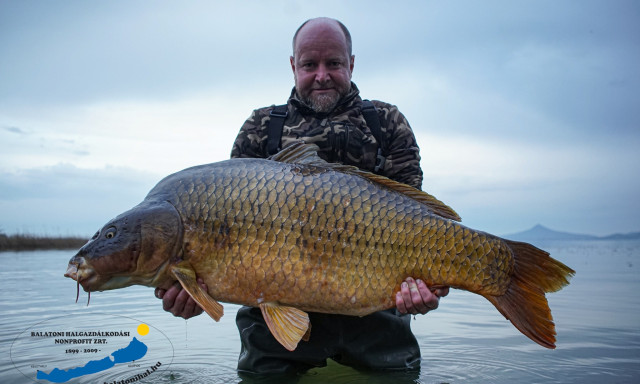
(524, 303)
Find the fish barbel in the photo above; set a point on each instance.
(294, 234)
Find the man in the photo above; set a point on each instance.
(325, 109)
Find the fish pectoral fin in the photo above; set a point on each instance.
(307, 335)
(184, 273)
(287, 324)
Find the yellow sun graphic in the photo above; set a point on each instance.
(143, 329)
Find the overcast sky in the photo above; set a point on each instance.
(526, 112)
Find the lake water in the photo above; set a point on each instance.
(465, 341)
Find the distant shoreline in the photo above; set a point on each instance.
(21, 242)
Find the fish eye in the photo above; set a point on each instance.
(110, 233)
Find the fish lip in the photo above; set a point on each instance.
(79, 271)
(72, 271)
(86, 277)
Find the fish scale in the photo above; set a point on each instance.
(294, 234)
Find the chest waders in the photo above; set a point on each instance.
(380, 341)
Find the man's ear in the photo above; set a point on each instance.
(292, 60)
(351, 62)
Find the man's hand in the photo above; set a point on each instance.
(415, 297)
(177, 301)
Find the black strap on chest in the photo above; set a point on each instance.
(274, 131)
(373, 122)
(279, 114)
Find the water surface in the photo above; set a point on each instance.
(465, 341)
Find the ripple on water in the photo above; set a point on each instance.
(472, 363)
(336, 373)
(196, 373)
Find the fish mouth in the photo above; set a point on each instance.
(84, 275)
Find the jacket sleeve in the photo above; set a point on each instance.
(252, 138)
(403, 154)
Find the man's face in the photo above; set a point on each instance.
(321, 66)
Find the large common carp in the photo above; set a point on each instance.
(294, 234)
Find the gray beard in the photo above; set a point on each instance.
(323, 103)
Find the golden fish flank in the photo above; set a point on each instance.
(295, 234)
(323, 233)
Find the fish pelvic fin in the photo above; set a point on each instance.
(184, 273)
(524, 303)
(288, 325)
(302, 153)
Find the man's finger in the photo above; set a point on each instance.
(159, 292)
(400, 303)
(442, 292)
(169, 298)
(405, 291)
(424, 299)
(416, 301)
(180, 303)
(189, 308)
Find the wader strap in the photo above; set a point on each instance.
(373, 122)
(279, 114)
(274, 133)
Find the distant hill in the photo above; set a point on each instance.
(540, 232)
(622, 236)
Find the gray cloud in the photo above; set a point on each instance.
(80, 52)
(67, 180)
(573, 62)
(64, 198)
(15, 130)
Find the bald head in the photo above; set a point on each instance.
(327, 23)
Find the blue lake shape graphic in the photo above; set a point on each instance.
(134, 351)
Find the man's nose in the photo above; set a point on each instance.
(322, 74)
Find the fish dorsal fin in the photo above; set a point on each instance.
(185, 274)
(435, 205)
(299, 153)
(302, 153)
(287, 324)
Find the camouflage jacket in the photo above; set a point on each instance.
(342, 136)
